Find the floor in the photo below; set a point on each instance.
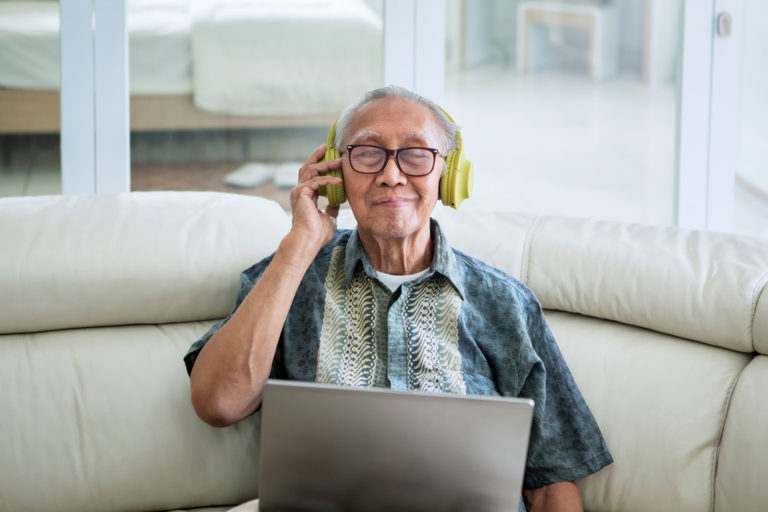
(565, 144)
(200, 177)
(542, 143)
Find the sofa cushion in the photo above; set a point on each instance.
(760, 327)
(743, 462)
(102, 421)
(660, 402)
(692, 284)
(151, 257)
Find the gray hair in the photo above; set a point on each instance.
(448, 127)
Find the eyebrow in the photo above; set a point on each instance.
(365, 134)
(416, 135)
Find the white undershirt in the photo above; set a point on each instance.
(394, 282)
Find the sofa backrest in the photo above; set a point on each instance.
(138, 258)
(665, 330)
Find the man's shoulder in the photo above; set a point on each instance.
(480, 277)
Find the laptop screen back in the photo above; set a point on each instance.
(340, 448)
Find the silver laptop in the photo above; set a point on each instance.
(329, 448)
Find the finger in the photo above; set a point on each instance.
(310, 187)
(316, 155)
(332, 212)
(310, 171)
(319, 181)
(327, 166)
(307, 193)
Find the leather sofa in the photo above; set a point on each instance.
(665, 330)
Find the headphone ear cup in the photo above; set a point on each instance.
(458, 179)
(335, 193)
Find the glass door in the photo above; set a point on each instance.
(568, 107)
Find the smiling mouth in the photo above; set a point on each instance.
(393, 201)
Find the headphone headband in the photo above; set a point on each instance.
(459, 141)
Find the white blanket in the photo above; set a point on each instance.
(286, 57)
(257, 57)
(158, 46)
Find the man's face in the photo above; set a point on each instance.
(390, 204)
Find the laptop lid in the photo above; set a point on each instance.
(329, 447)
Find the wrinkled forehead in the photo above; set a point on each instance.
(403, 120)
(416, 138)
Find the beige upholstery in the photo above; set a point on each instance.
(743, 462)
(208, 509)
(669, 280)
(102, 296)
(248, 506)
(146, 258)
(661, 403)
(760, 325)
(99, 418)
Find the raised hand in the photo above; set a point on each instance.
(308, 220)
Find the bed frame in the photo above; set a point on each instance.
(24, 111)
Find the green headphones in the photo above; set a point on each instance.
(455, 184)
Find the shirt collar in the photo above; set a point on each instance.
(443, 260)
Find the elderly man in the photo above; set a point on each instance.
(391, 304)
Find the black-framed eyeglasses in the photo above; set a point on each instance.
(368, 159)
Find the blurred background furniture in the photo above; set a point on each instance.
(536, 19)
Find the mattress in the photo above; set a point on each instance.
(242, 57)
(284, 57)
(160, 61)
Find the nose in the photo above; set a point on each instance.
(391, 175)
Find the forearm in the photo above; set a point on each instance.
(229, 373)
(559, 497)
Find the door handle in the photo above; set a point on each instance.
(724, 23)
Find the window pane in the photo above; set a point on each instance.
(29, 98)
(568, 107)
(234, 96)
(751, 194)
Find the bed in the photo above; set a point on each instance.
(203, 64)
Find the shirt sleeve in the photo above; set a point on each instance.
(565, 442)
(248, 279)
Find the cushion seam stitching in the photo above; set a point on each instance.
(724, 418)
(527, 250)
(757, 291)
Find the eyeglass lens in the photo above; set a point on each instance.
(372, 159)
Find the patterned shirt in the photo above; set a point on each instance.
(463, 327)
